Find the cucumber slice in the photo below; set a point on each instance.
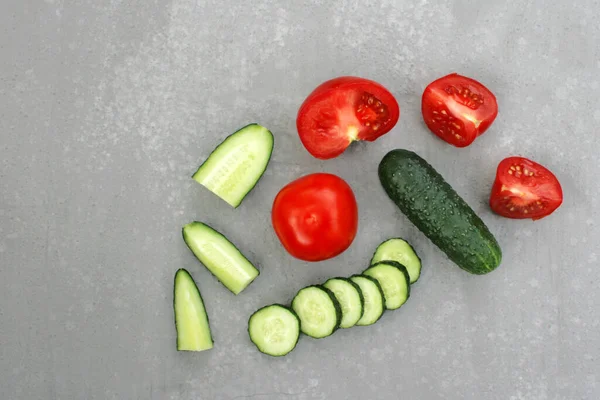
(274, 330)
(394, 281)
(191, 320)
(319, 311)
(401, 251)
(351, 300)
(236, 165)
(374, 304)
(220, 256)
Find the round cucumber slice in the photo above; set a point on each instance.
(394, 281)
(374, 304)
(399, 250)
(274, 330)
(350, 297)
(319, 311)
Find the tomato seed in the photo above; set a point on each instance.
(370, 108)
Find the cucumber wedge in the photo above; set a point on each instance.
(219, 256)
(274, 330)
(401, 251)
(191, 320)
(374, 304)
(351, 300)
(394, 281)
(319, 311)
(236, 165)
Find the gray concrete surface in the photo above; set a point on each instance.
(107, 107)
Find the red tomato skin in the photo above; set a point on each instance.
(542, 187)
(467, 122)
(324, 145)
(315, 217)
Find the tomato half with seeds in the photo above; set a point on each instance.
(458, 109)
(343, 110)
(525, 189)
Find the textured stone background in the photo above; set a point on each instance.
(107, 107)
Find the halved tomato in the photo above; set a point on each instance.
(458, 109)
(343, 110)
(524, 189)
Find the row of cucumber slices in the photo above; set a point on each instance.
(319, 310)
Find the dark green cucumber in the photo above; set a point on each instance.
(191, 320)
(274, 330)
(438, 211)
(235, 166)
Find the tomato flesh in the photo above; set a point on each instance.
(343, 110)
(315, 217)
(458, 109)
(524, 189)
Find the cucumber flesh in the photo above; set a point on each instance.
(402, 252)
(219, 256)
(351, 300)
(374, 304)
(274, 330)
(236, 165)
(394, 281)
(319, 311)
(191, 320)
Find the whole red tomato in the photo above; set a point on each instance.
(315, 217)
(524, 189)
(343, 110)
(458, 109)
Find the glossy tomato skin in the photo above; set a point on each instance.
(525, 189)
(315, 217)
(342, 110)
(458, 109)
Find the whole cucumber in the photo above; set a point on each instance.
(438, 211)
